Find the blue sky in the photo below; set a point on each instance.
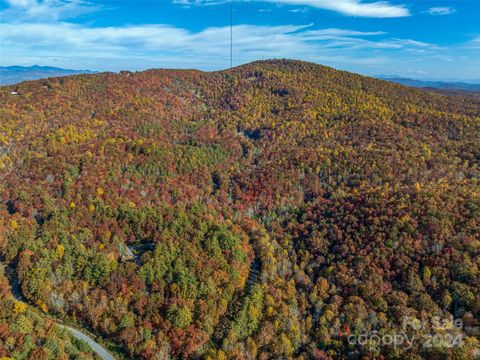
(424, 39)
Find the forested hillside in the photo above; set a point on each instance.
(270, 211)
(24, 334)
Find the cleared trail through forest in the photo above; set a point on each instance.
(235, 306)
(17, 294)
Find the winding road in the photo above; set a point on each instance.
(218, 335)
(17, 294)
(104, 354)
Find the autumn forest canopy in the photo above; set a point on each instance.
(270, 211)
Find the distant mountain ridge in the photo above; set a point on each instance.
(10, 75)
(447, 85)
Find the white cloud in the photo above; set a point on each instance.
(378, 9)
(441, 10)
(474, 44)
(45, 10)
(164, 45)
(299, 10)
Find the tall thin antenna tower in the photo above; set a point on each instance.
(231, 34)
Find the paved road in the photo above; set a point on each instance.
(104, 354)
(17, 294)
